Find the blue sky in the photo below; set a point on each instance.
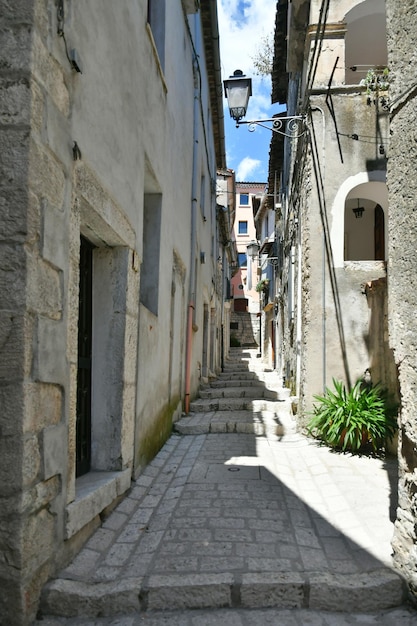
(242, 23)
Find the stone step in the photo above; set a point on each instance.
(233, 404)
(269, 423)
(222, 383)
(370, 591)
(245, 391)
(236, 367)
(237, 376)
(238, 361)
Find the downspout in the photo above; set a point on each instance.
(191, 288)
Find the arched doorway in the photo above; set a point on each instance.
(364, 230)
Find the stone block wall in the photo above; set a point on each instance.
(244, 326)
(49, 198)
(31, 296)
(402, 264)
(40, 226)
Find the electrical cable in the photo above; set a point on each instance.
(62, 34)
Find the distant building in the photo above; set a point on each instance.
(268, 274)
(245, 316)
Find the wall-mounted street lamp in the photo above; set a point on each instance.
(238, 89)
(252, 250)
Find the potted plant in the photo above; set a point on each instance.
(377, 85)
(352, 419)
(263, 285)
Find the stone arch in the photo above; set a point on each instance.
(365, 40)
(371, 189)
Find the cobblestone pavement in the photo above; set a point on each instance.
(247, 520)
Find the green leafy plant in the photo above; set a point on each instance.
(263, 285)
(264, 55)
(376, 80)
(352, 419)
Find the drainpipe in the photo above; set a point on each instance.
(191, 289)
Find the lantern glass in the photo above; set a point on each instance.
(253, 249)
(238, 89)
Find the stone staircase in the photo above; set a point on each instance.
(244, 398)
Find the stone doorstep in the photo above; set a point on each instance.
(94, 492)
(367, 592)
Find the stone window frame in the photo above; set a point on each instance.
(96, 216)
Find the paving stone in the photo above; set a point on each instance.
(83, 563)
(115, 520)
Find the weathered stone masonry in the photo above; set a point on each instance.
(121, 197)
(32, 193)
(45, 198)
(402, 281)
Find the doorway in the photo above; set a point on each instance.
(85, 327)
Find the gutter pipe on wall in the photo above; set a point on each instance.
(191, 288)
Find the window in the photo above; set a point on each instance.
(156, 20)
(243, 228)
(242, 259)
(365, 42)
(149, 278)
(244, 199)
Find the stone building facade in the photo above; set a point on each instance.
(334, 255)
(402, 276)
(347, 226)
(111, 133)
(245, 322)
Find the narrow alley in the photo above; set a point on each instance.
(239, 510)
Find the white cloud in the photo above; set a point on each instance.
(242, 23)
(246, 168)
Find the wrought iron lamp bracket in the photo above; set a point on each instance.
(291, 126)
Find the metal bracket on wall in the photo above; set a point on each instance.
(72, 56)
